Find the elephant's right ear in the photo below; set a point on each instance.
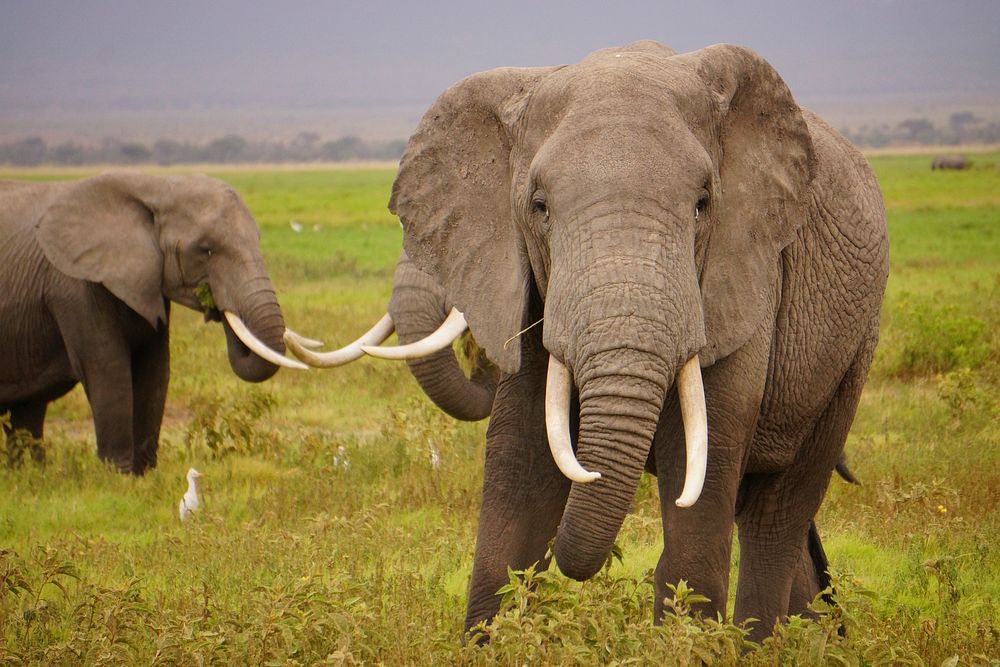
(101, 229)
(453, 196)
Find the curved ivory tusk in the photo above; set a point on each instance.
(257, 346)
(378, 333)
(310, 343)
(445, 335)
(557, 397)
(691, 392)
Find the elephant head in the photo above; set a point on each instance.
(190, 239)
(644, 198)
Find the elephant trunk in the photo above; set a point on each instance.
(257, 306)
(624, 318)
(618, 416)
(442, 379)
(418, 307)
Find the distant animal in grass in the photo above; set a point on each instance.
(958, 162)
(189, 502)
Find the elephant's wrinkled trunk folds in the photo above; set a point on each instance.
(618, 416)
(691, 393)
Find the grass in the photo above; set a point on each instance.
(328, 536)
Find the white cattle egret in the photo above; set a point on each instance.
(189, 503)
(295, 225)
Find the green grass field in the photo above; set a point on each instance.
(328, 537)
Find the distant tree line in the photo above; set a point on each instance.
(963, 127)
(305, 147)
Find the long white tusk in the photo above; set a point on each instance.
(691, 392)
(445, 335)
(557, 397)
(378, 333)
(310, 343)
(258, 346)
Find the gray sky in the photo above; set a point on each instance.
(384, 62)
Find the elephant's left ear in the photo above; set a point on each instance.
(766, 163)
(101, 229)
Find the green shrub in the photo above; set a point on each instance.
(937, 338)
(232, 425)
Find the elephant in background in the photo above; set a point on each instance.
(958, 162)
(419, 307)
(706, 257)
(419, 314)
(88, 270)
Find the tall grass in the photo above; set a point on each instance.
(339, 507)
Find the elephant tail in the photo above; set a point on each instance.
(844, 471)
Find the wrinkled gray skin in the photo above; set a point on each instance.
(950, 162)
(418, 306)
(654, 206)
(87, 273)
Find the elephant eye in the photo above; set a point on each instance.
(700, 206)
(539, 207)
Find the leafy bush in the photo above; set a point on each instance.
(232, 425)
(937, 338)
(18, 447)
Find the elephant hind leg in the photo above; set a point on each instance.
(812, 577)
(775, 512)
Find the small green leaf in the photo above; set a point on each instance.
(204, 294)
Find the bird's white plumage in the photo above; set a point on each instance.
(189, 502)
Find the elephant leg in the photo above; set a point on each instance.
(150, 376)
(775, 513)
(93, 329)
(29, 418)
(697, 540)
(109, 391)
(523, 492)
(811, 577)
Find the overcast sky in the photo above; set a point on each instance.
(180, 56)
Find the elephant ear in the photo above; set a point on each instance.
(101, 229)
(766, 163)
(453, 196)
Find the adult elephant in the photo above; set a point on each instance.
(87, 273)
(664, 214)
(425, 324)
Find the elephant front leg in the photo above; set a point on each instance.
(150, 376)
(523, 493)
(697, 541)
(109, 391)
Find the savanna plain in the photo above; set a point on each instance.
(339, 507)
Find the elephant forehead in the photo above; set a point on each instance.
(624, 79)
(633, 97)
